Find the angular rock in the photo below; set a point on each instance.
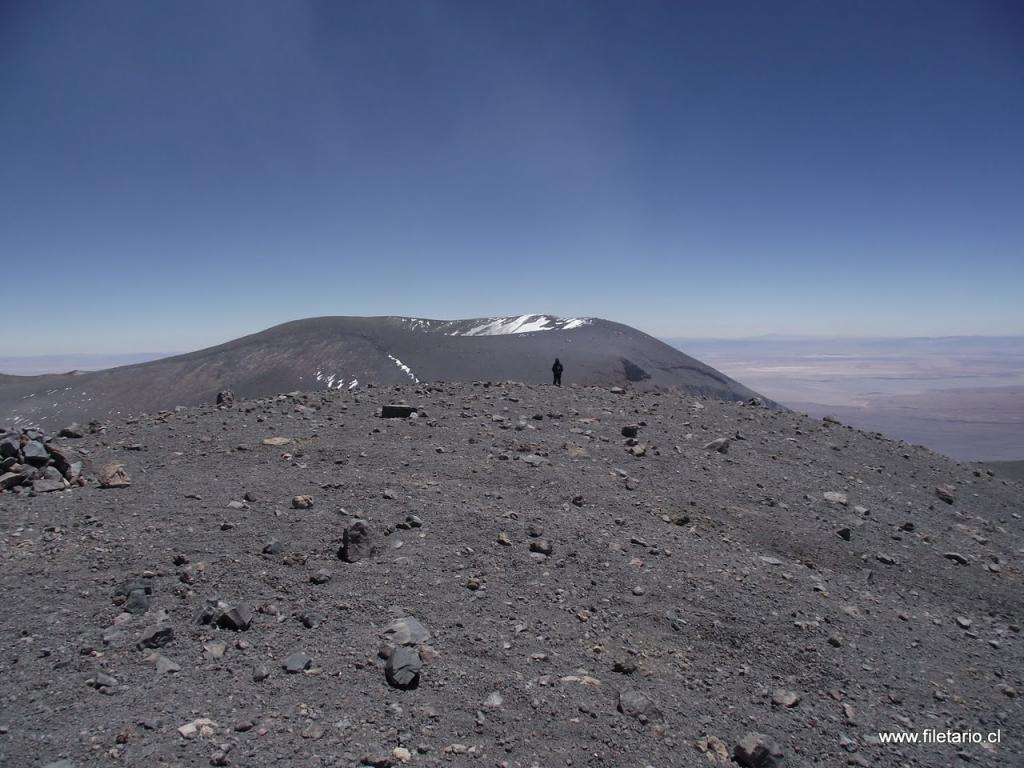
(237, 618)
(64, 460)
(35, 453)
(835, 497)
(946, 493)
(302, 502)
(9, 480)
(358, 542)
(402, 669)
(296, 663)
(137, 602)
(156, 637)
(73, 431)
(48, 486)
(225, 397)
(637, 704)
(721, 445)
(755, 750)
(630, 430)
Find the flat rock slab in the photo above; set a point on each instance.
(296, 663)
(407, 631)
(396, 411)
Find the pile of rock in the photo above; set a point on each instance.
(30, 462)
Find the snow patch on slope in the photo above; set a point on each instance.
(500, 326)
(329, 380)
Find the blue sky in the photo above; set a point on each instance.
(175, 174)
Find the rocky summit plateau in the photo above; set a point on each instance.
(344, 353)
(501, 574)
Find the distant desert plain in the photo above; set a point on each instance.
(960, 396)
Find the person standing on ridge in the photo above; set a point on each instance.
(556, 369)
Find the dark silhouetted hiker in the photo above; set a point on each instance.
(557, 370)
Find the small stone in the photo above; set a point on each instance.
(715, 749)
(956, 557)
(101, 680)
(630, 430)
(322, 576)
(784, 698)
(844, 534)
(963, 622)
(276, 442)
(215, 649)
(835, 497)
(114, 476)
(494, 700)
(885, 559)
(504, 540)
(624, 666)
(273, 547)
(302, 502)
(202, 726)
(260, 673)
(946, 493)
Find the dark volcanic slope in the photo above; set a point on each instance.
(691, 585)
(343, 352)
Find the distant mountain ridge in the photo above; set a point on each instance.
(350, 352)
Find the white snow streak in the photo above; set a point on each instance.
(405, 368)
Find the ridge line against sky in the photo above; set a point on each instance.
(178, 174)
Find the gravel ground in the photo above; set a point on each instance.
(581, 597)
